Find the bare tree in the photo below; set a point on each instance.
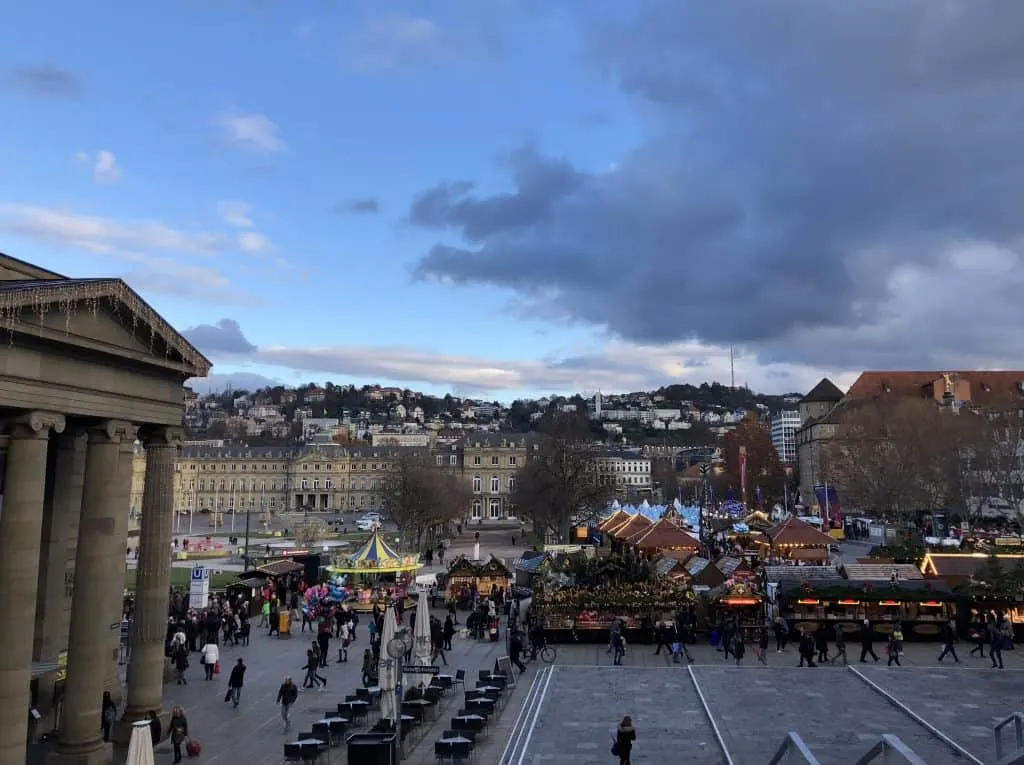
(665, 477)
(560, 484)
(995, 454)
(422, 497)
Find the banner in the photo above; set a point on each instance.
(828, 500)
(743, 474)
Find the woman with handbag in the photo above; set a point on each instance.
(178, 730)
(211, 655)
(622, 746)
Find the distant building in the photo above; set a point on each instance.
(784, 427)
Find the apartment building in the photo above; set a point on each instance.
(490, 462)
(784, 426)
(628, 471)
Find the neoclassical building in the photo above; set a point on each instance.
(87, 371)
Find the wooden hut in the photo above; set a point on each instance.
(634, 525)
(493, 574)
(796, 540)
(617, 518)
(664, 535)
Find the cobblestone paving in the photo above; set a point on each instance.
(583, 706)
(964, 703)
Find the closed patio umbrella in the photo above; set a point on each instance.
(387, 669)
(140, 745)
(421, 650)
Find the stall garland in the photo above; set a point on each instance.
(867, 592)
(663, 596)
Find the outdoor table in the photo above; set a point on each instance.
(486, 688)
(484, 701)
(469, 717)
(373, 689)
(309, 742)
(335, 720)
(456, 740)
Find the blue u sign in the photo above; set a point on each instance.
(199, 573)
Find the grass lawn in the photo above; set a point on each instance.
(181, 578)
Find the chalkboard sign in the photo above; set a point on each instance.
(505, 668)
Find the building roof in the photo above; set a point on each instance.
(617, 518)
(962, 564)
(795, 532)
(281, 568)
(875, 572)
(826, 392)
(985, 386)
(786, 574)
(636, 523)
(665, 535)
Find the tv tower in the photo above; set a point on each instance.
(732, 368)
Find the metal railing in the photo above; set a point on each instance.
(792, 751)
(892, 750)
(1017, 754)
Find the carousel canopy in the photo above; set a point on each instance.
(793, 532)
(376, 555)
(665, 535)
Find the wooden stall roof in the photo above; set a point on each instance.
(281, 568)
(963, 565)
(880, 572)
(494, 569)
(462, 567)
(665, 535)
(810, 553)
(794, 532)
(617, 518)
(786, 574)
(913, 590)
(632, 526)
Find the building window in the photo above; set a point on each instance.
(512, 460)
(511, 484)
(494, 459)
(316, 483)
(477, 460)
(477, 484)
(305, 467)
(495, 484)
(477, 509)
(304, 484)
(440, 460)
(328, 484)
(495, 509)
(453, 460)
(510, 511)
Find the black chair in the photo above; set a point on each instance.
(466, 733)
(322, 731)
(460, 678)
(460, 750)
(467, 726)
(364, 695)
(443, 750)
(305, 735)
(415, 711)
(292, 753)
(337, 731)
(433, 694)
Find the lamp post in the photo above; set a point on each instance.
(245, 558)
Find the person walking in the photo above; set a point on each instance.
(515, 650)
(618, 648)
(181, 664)
(448, 632)
(625, 736)
(313, 680)
(235, 682)
(762, 646)
(976, 632)
(367, 668)
(108, 715)
(178, 730)
(287, 695)
(781, 630)
(948, 635)
(821, 644)
(866, 638)
(211, 655)
(893, 649)
(806, 648)
(738, 647)
(995, 644)
(840, 645)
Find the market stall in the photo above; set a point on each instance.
(920, 605)
(986, 585)
(744, 603)
(664, 535)
(374, 574)
(621, 533)
(794, 540)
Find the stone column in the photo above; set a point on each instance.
(57, 559)
(113, 600)
(89, 644)
(21, 519)
(153, 582)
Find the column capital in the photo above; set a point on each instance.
(37, 424)
(162, 435)
(112, 432)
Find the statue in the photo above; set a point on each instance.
(947, 383)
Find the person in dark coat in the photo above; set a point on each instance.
(948, 636)
(235, 682)
(156, 731)
(866, 649)
(806, 648)
(624, 738)
(515, 650)
(108, 714)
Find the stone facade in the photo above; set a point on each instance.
(86, 369)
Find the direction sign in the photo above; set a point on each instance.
(412, 669)
(705, 468)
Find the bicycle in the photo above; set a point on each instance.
(546, 653)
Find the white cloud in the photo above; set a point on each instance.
(616, 367)
(255, 133)
(103, 163)
(395, 43)
(250, 241)
(235, 214)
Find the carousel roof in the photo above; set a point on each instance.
(632, 526)
(376, 554)
(664, 535)
(793, 531)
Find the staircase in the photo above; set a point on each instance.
(1014, 756)
(889, 750)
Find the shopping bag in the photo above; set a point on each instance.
(675, 647)
(216, 668)
(227, 696)
(192, 748)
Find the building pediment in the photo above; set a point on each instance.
(99, 315)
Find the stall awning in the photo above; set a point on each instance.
(281, 568)
(793, 532)
(881, 572)
(810, 553)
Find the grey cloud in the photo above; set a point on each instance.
(802, 159)
(47, 81)
(224, 337)
(236, 381)
(363, 206)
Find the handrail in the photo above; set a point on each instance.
(1018, 728)
(888, 746)
(793, 746)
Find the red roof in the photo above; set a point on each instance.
(793, 531)
(632, 526)
(977, 387)
(617, 518)
(665, 535)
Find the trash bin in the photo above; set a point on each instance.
(284, 623)
(372, 749)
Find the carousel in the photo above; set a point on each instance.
(375, 574)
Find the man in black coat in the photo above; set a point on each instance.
(866, 649)
(235, 682)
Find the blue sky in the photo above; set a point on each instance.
(251, 168)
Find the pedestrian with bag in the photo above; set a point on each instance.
(622, 743)
(235, 682)
(840, 645)
(178, 730)
(211, 655)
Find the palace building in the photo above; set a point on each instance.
(87, 371)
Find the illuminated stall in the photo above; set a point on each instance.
(374, 574)
(795, 541)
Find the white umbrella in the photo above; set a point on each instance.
(387, 671)
(421, 643)
(140, 746)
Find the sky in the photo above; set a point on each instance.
(505, 198)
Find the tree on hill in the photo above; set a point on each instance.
(559, 485)
(764, 468)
